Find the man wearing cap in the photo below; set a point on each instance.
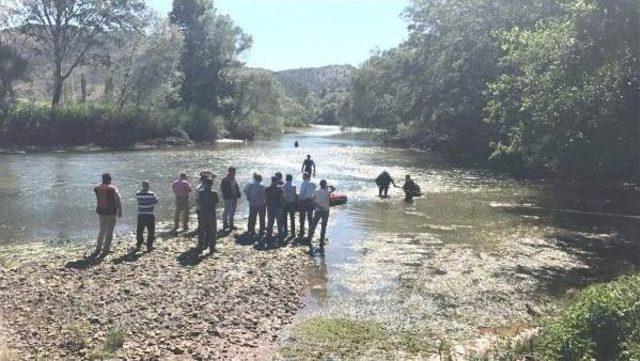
(203, 176)
(208, 200)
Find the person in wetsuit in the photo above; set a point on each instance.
(383, 181)
(296, 144)
(309, 166)
(411, 189)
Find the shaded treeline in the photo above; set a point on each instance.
(73, 69)
(542, 86)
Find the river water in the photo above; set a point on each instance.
(49, 197)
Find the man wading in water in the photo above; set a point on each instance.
(309, 166)
(411, 189)
(108, 206)
(383, 181)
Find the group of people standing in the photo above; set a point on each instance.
(274, 205)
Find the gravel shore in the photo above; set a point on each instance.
(167, 304)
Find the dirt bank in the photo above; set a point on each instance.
(170, 303)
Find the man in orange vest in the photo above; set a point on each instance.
(108, 207)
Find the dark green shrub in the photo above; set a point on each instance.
(604, 324)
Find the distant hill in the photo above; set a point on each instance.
(320, 81)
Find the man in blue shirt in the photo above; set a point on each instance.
(290, 204)
(305, 202)
(146, 216)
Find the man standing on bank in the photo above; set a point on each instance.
(230, 194)
(146, 216)
(305, 202)
(181, 188)
(255, 193)
(108, 207)
(321, 201)
(207, 200)
(309, 166)
(290, 206)
(274, 196)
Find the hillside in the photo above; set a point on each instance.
(321, 81)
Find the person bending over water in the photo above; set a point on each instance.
(146, 216)
(383, 181)
(309, 166)
(411, 189)
(321, 201)
(108, 207)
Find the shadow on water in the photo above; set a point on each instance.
(606, 241)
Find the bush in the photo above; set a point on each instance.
(604, 324)
(104, 125)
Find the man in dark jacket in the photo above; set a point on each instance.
(230, 194)
(207, 201)
(275, 198)
(411, 189)
(383, 181)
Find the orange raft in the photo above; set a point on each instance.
(337, 199)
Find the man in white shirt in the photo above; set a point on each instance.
(321, 201)
(305, 198)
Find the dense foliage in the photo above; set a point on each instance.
(603, 324)
(538, 85)
(322, 92)
(115, 63)
(105, 126)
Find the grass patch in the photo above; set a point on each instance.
(344, 338)
(114, 340)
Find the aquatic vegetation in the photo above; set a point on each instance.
(347, 338)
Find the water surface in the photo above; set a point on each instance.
(49, 197)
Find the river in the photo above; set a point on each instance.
(373, 243)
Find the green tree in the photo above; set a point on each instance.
(145, 68)
(568, 98)
(12, 67)
(212, 44)
(257, 104)
(65, 31)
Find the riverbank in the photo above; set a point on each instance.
(416, 298)
(133, 305)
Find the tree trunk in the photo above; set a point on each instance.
(58, 81)
(83, 88)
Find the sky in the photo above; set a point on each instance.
(291, 34)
